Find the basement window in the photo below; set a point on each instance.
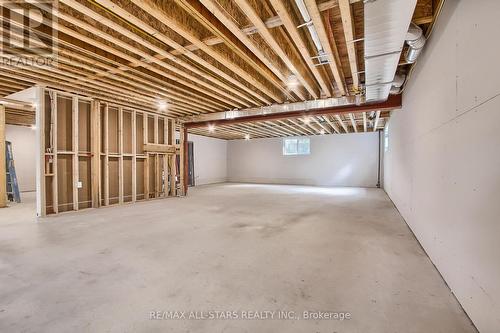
(296, 146)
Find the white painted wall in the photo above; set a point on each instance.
(210, 159)
(442, 169)
(335, 160)
(24, 149)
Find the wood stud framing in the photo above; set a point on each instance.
(90, 154)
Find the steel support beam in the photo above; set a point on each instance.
(394, 102)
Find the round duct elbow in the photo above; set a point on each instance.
(416, 40)
(398, 82)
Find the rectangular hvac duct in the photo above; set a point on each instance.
(386, 25)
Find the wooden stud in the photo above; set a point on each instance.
(95, 141)
(157, 174)
(183, 160)
(156, 157)
(120, 152)
(134, 156)
(75, 176)
(53, 129)
(173, 160)
(41, 179)
(106, 155)
(164, 176)
(146, 161)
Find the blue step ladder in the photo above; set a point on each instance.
(12, 185)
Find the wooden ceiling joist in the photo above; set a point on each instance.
(208, 56)
(332, 124)
(353, 122)
(167, 19)
(74, 55)
(144, 59)
(271, 23)
(317, 20)
(291, 28)
(178, 49)
(243, 39)
(347, 23)
(341, 122)
(161, 53)
(286, 57)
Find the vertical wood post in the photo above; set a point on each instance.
(75, 148)
(120, 151)
(157, 159)
(146, 161)
(166, 192)
(53, 129)
(106, 155)
(41, 206)
(95, 143)
(134, 157)
(173, 159)
(3, 180)
(183, 160)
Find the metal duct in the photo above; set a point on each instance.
(398, 82)
(322, 57)
(279, 108)
(386, 27)
(416, 41)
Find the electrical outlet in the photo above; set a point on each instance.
(79, 185)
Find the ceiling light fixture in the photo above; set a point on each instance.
(292, 82)
(211, 128)
(247, 137)
(322, 132)
(306, 120)
(162, 105)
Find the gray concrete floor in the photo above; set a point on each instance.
(229, 247)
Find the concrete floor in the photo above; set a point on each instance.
(230, 247)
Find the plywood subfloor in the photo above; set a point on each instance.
(228, 247)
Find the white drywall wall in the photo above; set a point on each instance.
(210, 159)
(442, 169)
(24, 150)
(335, 160)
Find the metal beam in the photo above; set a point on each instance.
(392, 103)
